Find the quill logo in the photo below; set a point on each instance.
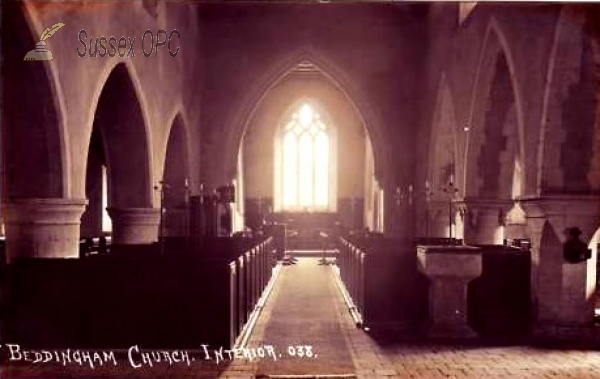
(41, 53)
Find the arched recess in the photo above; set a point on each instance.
(33, 131)
(494, 143)
(494, 137)
(568, 162)
(279, 70)
(176, 180)
(119, 143)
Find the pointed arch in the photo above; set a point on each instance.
(279, 70)
(127, 70)
(568, 149)
(175, 178)
(495, 135)
(176, 166)
(121, 120)
(178, 124)
(35, 142)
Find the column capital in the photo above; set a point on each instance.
(485, 203)
(43, 227)
(550, 205)
(23, 210)
(133, 226)
(565, 211)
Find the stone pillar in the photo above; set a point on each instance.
(516, 222)
(133, 226)
(450, 270)
(43, 228)
(563, 293)
(482, 218)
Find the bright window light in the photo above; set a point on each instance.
(305, 162)
(106, 221)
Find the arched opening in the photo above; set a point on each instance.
(305, 156)
(32, 148)
(95, 220)
(118, 174)
(493, 144)
(41, 216)
(175, 182)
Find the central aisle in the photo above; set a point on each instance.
(305, 309)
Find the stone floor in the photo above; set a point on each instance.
(378, 358)
(368, 357)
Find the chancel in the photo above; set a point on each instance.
(306, 189)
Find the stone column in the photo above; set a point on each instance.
(43, 228)
(516, 222)
(563, 293)
(133, 226)
(450, 270)
(439, 218)
(482, 218)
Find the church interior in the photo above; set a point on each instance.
(299, 189)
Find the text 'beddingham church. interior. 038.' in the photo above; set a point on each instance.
(299, 189)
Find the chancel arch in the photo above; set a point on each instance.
(309, 60)
(341, 132)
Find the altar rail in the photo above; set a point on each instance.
(181, 298)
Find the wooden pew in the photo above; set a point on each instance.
(382, 277)
(499, 300)
(171, 300)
